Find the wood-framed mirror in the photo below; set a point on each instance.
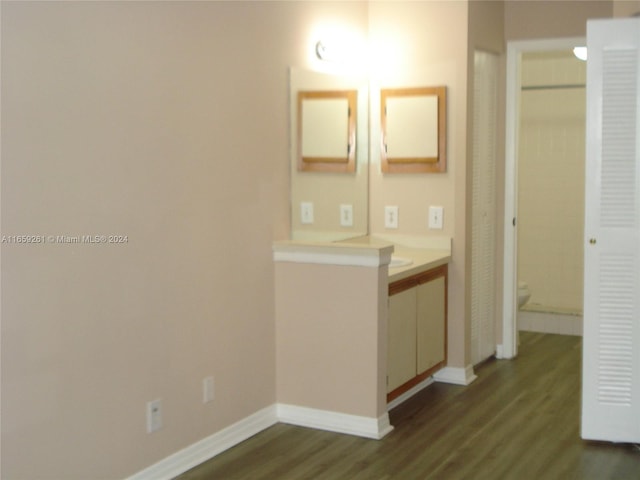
(327, 131)
(331, 191)
(413, 125)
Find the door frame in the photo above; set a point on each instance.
(509, 347)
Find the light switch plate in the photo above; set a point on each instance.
(391, 216)
(346, 215)
(436, 220)
(306, 213)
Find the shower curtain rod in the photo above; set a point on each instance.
(553, 87)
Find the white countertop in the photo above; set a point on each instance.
(423, 259)
(425, 252)
(362, 254)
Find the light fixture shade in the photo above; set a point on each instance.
(580, 52)
(321, 50)
(333, 51)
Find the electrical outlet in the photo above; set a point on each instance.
(154, 415)
(306, 213)
(208, 390)
(436, 219)
(346, 215)
(391, 216)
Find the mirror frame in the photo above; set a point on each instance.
(341, 164)
(415, 163)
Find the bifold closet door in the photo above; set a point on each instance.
(611, 349)
(483, 255)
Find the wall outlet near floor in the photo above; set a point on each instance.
(154, 415)
(346, 215)
(436, 220)
(306, 213)
(208, 390)
(391, 216)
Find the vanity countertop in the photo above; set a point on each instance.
(353, 253)
(425, 252)
(423, 259)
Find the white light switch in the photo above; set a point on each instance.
(306, 213)
(391, 216)
(346, 215)
(436, 217)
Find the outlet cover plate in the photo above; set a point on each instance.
(154, 415)
(208, 390)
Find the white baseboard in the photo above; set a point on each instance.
(367, 427)
(550, 322)
(455, 375)
(409, 393)
(209, 447)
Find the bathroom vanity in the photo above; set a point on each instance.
(417, 329)
(353, 332)
(417, 309)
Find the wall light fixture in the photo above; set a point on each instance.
(321, 50)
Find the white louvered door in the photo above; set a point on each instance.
(611, 349)
(483, 257)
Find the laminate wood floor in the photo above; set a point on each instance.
(519, 420)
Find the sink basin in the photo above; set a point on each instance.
(399, 261)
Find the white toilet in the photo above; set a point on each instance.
(523, 293)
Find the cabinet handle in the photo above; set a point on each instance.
(592, 241)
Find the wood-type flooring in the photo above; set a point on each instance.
(519, 420)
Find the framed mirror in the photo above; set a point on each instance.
(329, 155)
(413, 125)
(327, 130)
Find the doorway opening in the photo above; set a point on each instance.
(536, 194)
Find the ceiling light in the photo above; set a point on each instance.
(580, 52)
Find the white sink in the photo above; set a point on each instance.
(399, 261)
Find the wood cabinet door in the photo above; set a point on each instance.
(430, 341)
(401, 363)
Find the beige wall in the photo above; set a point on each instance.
(626, 8)
(166, 122)
(551, 18)
(331, 338)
